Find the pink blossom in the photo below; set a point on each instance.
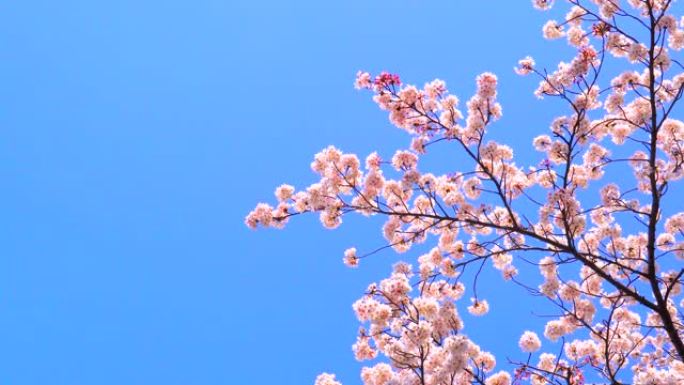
(404, 160)
(525, 66)
(363, 80)
(552, 30)
(543, 5)
(284, 192)
(262, 215)
(386, 79)
(479, 307)
(529, 342)
(350, 258)
(500, 378)
(486, 85)
(326, 379)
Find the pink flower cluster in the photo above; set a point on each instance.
(607, 253)
(418, 335)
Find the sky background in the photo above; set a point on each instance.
(136, 135)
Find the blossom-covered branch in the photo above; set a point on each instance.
(610, 262)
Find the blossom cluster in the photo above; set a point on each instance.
(608, 250)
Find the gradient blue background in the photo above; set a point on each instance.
(136, 135)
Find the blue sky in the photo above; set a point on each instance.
(136, 135)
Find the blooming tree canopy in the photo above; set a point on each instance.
(611, 266)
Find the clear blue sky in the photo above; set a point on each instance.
(136, 135)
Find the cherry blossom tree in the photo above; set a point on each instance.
(610, 263)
